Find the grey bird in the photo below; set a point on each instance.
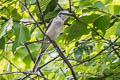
(53, 32)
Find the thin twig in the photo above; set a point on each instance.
(59, 5)
(70, 6)
(63, 72)
(92, 57)
(12, 63)
(6, 73)
(117, 53)
(30, 53)
(47, 63)
(41, 13)
(64, 58)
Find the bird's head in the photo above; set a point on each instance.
(64, 14)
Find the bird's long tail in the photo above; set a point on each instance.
(44, 47)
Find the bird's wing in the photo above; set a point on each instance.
(49, 24)
(45, 43)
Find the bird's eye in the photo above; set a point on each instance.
(60, 15)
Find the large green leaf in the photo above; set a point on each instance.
(78, 52)
(2, 43)
(118, 30)
(51, 6)
(79, 27)
(22, 34)
(116, 9)
(99, 5)
(101, 25)
(44, 3)
(6, 28)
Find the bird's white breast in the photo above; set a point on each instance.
(55, 28)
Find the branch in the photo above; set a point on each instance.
(47, 63)
(6, 73)
(64, 58)
(70, 6)
(117, 53)
(41, 13)
(92, 57)
(115, 16)
(59, 5)
(29, 53)
(13, 65)
(20, 21)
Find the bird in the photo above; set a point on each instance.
(53, 31)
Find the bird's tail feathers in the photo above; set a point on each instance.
(43, 48)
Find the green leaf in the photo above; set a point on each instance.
(50, 15)
(87, 51)
(118, 30)
(6, 28)
(78, 53)
(22, 35)
(51, 6)
(116, 9)
(2, 43)
(101, 25)
(108, 1)
(30, 1)
(77, 29)
(89, 18)
(99, 5)
(44, 4)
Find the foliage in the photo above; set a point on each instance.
(90, 39)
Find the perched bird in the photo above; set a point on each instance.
(53, 31)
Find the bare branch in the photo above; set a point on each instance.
(6, 73)
(47, 63)
(29, 53)
(41, 13)
(70, 6)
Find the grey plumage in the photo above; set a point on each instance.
(53, 32)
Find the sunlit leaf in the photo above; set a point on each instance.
(101, 25)
(51, 6)
(6, 28)
(76, 30)
(2, 43)
(78, 53)
(118, 30)
(99, 5)
(22, 34)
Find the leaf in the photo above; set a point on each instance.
(101, 25)
(78, 53)
(30, 1)
(51, 6)
(2, 43)
(79, 28)
(6, 28)
(76, 30)
(116, 9)
(50, 15)
(87, 51)
(99, 5)
(44, 4)
(89, 18)
(22, 35)
(118, 30)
